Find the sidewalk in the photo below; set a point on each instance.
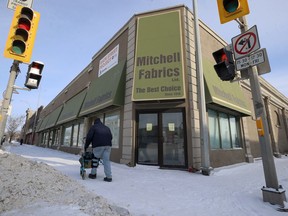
(148, 190)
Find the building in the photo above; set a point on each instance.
(29, 129)
(143, 85)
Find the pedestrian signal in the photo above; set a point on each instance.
(34, 75)
(224, 67)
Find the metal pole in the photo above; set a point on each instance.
(205, 154)
(8, 96)
(272, 193)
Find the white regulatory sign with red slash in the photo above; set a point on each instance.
(245, 43)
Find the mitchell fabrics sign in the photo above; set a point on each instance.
(158, 73)
(108, 61)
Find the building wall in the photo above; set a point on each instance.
(210, 41)
(128, 141)
(274, 102)
(192, 108)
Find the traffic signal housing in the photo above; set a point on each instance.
(21, 37)
(232, 9)
(34, 75)
(224, 67)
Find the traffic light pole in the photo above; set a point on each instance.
(8, 96)
(272, 193)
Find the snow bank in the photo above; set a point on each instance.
(26, 184)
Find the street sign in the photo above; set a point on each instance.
(13, 3)
(245, 43)
(250, 60)
(265, 66)
(258, 58)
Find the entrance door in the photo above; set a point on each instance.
(160, 139)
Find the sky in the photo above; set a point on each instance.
(71, 32)
(142, 190)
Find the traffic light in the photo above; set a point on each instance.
(225, 67)
(232, 9)
(34, 75)
(21, 37)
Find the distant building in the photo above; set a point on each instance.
(28, 132)
(143, 85)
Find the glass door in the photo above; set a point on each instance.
(173, 139)
(161, 139)
(148, 138)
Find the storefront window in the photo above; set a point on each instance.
(213, 130)
(235, 132)
(224, 130)
(45, 138)
(80, 140)
(75, 135)
(112, 120)
(50, 141)
(75, 132)
(67, 136)
(56, 140)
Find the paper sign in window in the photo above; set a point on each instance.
(149, 127)
(171, 126)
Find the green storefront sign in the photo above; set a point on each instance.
(225, 94)
(158, 73)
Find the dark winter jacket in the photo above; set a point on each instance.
(99, 134)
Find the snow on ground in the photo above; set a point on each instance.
(52, 186)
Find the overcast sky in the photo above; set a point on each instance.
(71, 32)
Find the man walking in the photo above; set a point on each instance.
(101, 138)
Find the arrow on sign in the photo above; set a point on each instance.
(245, 41)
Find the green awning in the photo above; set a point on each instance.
(106, 90)
(43, 123)
(71, 108)
(39, 123)
(53, 117)
(224, 93)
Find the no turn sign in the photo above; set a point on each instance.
(245, 43)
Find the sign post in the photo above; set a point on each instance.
(272, 193)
